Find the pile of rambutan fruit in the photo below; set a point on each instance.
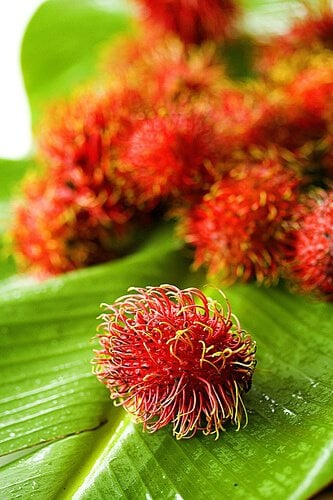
(243, 166)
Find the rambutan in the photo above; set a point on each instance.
(288, 124)
(312, 266)
(169, 156)
(243, 227)
(55, 230)
(327, 159)
(306, 36)
(313, 90)
(315, 28)
(194, 21)
(78, 145)
(175, 356)
(294, 117)
(239, 112)
(79, 137)
(164, 70)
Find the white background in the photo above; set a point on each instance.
(15, 137)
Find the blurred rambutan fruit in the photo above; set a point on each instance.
(193, 21)
(56, 230)
(169, 156)
(288, 124)
(172, 356)
(327, 159)
(285, 71)
(293, 118)
(312, 266)
(164, 70)
(243, 227)
(312, 89)
(315, 28)
(303, 118)
(239, 112)
(249, 117)
(307, 35)
(78, 145)
(79, 137)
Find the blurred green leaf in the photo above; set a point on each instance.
(62, 42)
(11, 173)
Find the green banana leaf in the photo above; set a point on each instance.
(62, 43)
(75, 443)
(60, 435)
(11, 172)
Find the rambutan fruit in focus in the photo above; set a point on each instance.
(243, 227)
(193, 21)
(172, 356)
(311, 270)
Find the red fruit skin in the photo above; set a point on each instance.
(313, 31)
(194, 21)
(313, 88)
(78, 144)
(243, 228)
(312, 266)
(193, 72)
(239, 114)
(175, 155)
(55, 230)
(296, 116)
(75, 216)
(172, 356)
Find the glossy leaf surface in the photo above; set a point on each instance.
(49, 394)
(60, 435)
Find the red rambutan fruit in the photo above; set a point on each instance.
(307, 35)
(312, 266)
(55, 230)
(292, 118)
(193, 20)
(171, 155)
(288, 124)
(239, 112)
(175, 356)
(78, 138)
(243, 227)
(164, 70)
(313, 90)
(75, 216)
(78, 144)
(316, 27)
(327, 160)
(191, 72)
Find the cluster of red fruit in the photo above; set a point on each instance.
(246, 167)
